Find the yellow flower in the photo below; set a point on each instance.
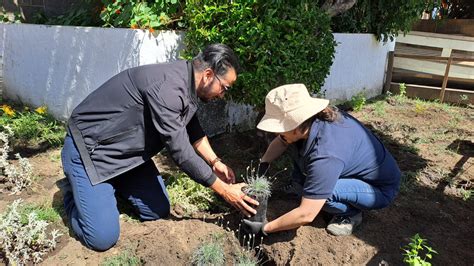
(41, 110)
(8, 110)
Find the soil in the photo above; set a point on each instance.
(432, 143)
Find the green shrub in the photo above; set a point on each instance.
(277, 42)
(139, 14)
(188, 195)
(385, 19)
(32, 126)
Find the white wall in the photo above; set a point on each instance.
(359, 65)
(58, 66)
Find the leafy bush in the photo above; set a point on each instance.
(24, 242)
(385, 19)
(32, 127)
(139, 14)
(277, 42)
(189, 196)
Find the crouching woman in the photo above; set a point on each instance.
(341, 167)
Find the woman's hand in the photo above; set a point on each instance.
(224, 172)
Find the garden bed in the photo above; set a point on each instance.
(433, 144)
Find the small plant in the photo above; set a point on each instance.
(357, 101)
(379, 108)
(413, 252)
(420, 107)
(24, 241)
(403, 89)
(257, 186)
(124, 258)
(466, 194)
(209, 253)
(189, 196)
(17, 178)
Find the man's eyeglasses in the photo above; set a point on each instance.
(226, 88)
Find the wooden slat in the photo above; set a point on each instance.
(457, 71)
(442, 36)
(388, 78)
(445, 79)
(432, 93)
(431, 41)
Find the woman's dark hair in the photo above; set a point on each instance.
(218, 57)
(329, 114)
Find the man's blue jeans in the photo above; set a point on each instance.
(92, 210)
(350, 196)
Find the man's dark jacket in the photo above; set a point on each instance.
(133, 116)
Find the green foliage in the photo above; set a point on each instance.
(188, 195)
(277, 42)
(33, 127)
(414, 251)
(357, 101)
(385, 19)
(6, 18)
(151, 14)
(125, 258)
(209, 253)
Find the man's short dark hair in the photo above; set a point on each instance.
(218, 57)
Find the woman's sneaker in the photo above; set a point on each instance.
(344, 225)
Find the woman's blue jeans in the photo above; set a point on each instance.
(92, 209)
(350, 196)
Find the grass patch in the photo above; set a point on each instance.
(46, 211)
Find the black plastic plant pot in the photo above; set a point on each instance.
(261, 215)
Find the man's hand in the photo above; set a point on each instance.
(254, 228)
(224, 172)
(232, 193)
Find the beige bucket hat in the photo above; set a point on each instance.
(288, 106)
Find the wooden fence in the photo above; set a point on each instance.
(434, 58)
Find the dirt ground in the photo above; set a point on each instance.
(432, 143)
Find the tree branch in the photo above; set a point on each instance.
(336, 7)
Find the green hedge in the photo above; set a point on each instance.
(385, 19)
(278, 42)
